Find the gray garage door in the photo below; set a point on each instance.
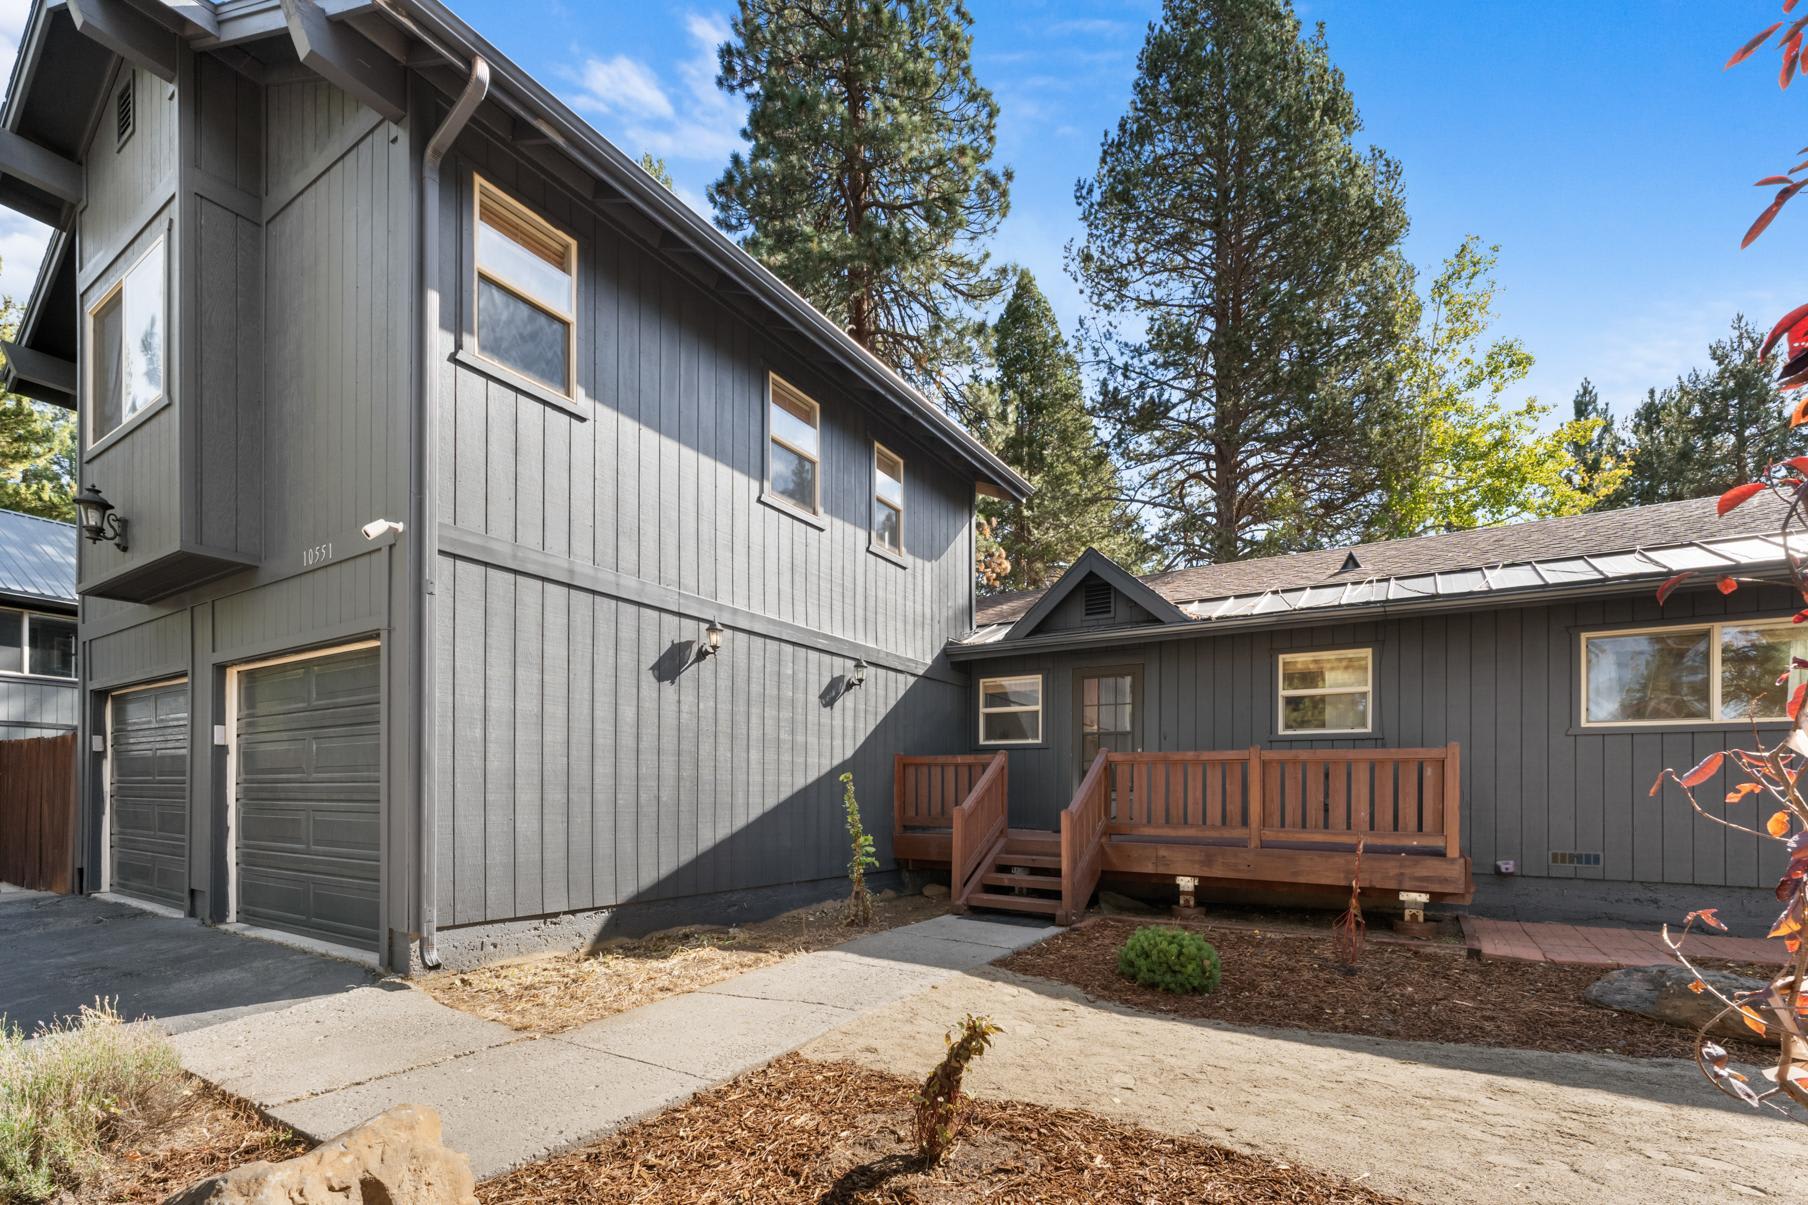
(307, 796)
(147, 794)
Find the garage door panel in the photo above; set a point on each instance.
(147, 793)
(308, 796)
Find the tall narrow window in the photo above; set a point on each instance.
(526, 300)
(126, 332)
(794, 452)
(888, 500)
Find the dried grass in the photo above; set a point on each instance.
(210, 1134)
(800, 1130)
(558, 992)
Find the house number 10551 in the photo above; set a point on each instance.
(315, 555)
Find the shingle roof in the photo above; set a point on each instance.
(37, 558)
(1592, 534)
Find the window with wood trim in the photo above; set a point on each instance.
(1329, 691)
(1010, 710)
(794, 448)
(127, 341)
(37, 645)
(1692, 673)
(526, 292)
(888, 500)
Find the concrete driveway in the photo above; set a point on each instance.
(59, 952)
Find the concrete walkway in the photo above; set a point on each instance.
(1602, 946)
(507, 1098)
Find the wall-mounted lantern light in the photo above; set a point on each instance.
(857, 679)
(100, 521)
(712, 639)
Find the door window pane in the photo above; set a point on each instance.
(1648, 676)
(52, 651)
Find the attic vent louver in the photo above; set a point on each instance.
(1098, 600)
(124, 111)
(1350, 563)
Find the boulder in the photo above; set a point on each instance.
(935, 891)
(394, 1157)
(1662, 993)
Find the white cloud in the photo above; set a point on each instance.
(676, 112)
(622, 85)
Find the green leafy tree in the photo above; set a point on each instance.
(1713, 429)
(1036, 421)
(868, 184)
(37, 448)
(1465, 455)
(655, 166)
(1246, 257)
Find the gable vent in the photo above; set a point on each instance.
(1351, 563)
(1098, 600)
(124, 111)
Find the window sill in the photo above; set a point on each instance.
(126, 428)
(1675, 726)
(520, 384)
(51, 679)
(1368, 734)
(785, 506)
(1010, 746)
(886, 554)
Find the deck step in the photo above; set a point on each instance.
(1014, 903)
(1030, 861)
(1031, 840)
(1035, 882)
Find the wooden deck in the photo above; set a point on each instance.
(1254, 817)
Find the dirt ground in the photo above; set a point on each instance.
(1430, 992)
(801, 1131)
(207, 1133)
(1430, 1122)
(557, 992)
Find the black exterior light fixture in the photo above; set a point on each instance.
(100, 521)
(712, 639)
(857, 679)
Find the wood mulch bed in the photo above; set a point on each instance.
(800, 1130)
(557, 992)
(205, 1133)
(1424, 993)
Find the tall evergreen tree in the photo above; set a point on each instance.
(868, 184)
(1246, 256)
(1596, 449)
(655, 166)
(1711, 430)
(1038, 424)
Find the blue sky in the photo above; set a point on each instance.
(1599, 144)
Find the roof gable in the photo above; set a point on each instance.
(1094, 565)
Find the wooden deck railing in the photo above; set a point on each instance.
(1397, 798)
(1082, 836)
(979, 828)
(926, 790)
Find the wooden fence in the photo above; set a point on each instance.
(37, 813)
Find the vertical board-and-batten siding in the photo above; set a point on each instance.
(33, 707)
(121, 179)
(1502, 682)
(574, 771)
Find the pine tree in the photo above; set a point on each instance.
(1247, 256)
(37, 448)
(655, 166)
(1712, 429)
(867, 186)
(1037, 423)
(1596, 449)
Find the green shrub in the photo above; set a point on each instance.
(1171, 959)
(69, 1091)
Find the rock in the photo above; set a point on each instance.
(1113, 904)
(935, 891)
(1662, 993)
(394, 1157)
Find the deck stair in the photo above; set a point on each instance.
(1023, 875)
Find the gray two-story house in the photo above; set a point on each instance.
(491, 538)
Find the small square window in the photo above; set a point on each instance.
(1010, 710)
(1327, 691)
(526, 291)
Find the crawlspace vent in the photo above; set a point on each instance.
(1575, 857)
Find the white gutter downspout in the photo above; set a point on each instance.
(426, 541)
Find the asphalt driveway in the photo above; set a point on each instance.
(58, 953)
